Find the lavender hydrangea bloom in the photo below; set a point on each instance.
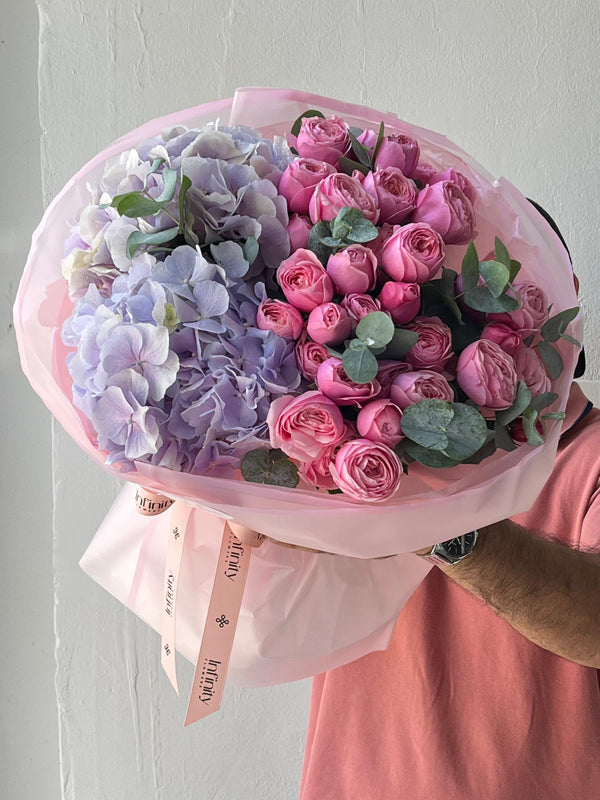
(169, 365)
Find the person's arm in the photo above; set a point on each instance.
(548, 592)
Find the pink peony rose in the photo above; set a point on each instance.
(299, 180)
(398, 150)
(434, 348)
(411, 387)
(394, 193)
(533, 312)
(367, 470)
(359, 305)
(448, 210)
(281, 318)
(459, 179)
(310, 356)
(318, 472)
(303, 427)
(424, 172)
(304, 281)
(338, 191)
(383, 234)
(386, 374)
(335, 384)
(487, 375)
(329, 324)
(508, 339)
(299, 229)
(413, 253)
(531, 371)
(402, 301)
(323, 139)
(379, 421)
(353, 269)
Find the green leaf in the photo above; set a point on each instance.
(429, 458)
(376, 328)
(330, 241)
(515, 267)
(183, 190)
(489, 448)
(348, 166)
(358, 345)
(333, 353)
(360, 151)
(250, 249)
(447, 283)
(137, 205)
(351, 224)
(503, 438)
(380, 138)
(312, 112)
(169, 177)
(269, 467)
(138, 238)
(543, 400)
(156, 165)
(551, 358)
(319, 231)
(529, 419)
(553, 329)
(456, 429)
(470, 268)
(501, 253)
(481, 299)
(360, 366)
(521, 402)
(570, 339)
(553, 415)
(402, 341)
(495, 276)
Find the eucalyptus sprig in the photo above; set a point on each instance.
(553, 330)
(349, 227)
(496, 295)
(376, 336)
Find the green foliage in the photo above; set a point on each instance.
(521, 402)
(551, 358)
(270, 467)
(456, 430)
(359, 362)
(312, 112)
(376, 329)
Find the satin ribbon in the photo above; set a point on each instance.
(224, 605)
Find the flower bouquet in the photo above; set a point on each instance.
(315, 320)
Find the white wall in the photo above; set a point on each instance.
(514, 84)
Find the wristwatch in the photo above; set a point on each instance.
(454, 550)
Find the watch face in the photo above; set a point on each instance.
(459, 547)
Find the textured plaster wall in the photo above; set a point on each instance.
(514, 83)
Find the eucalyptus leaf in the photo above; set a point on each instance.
(470, 268)
(501, 253)
(554, 327)
(169, 177)
(495, 275)
(348, 166)
(255, 465)
(570, 339)
(330, 241)
(360, 151)
(553, 415)
(429, 458)
(447, 283)
(360, 366)
(312, 112)
(481, 299)
(377, 328)
(456, 429)
(156, 165)
(521, 402)
(138, 238)
(250, 249)
(283, 473)
(488, 448)
(184, 188)
(529, 419)
(503, 438)
(543, 400)
(380, 138)
(551, 358)
(358, 345)
(137, 205)
(402, 341)
(270, 467)
(515, 267)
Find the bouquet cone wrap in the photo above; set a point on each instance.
(302, 613)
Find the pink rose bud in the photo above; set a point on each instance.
(304, 281)
(299, 180)
(412, 387)
(323, 139)
(359, 305)
(448, 210)
(379, 421)
(413, 253)
(310, 356)
(395, 194)
(386, 374)
(281, 318)
(424, 172)
(508, 339)
(299, 229)
(335, 384)
(303, 427)
(367, 470)
(459, 179)
(318, 472)
(353, 270)
(402, 301)
(531, 371)
(368, 139)
(434, 347)
(329, 324)
(533, 312)
(487, 375)
(398, 150)
(338, 191)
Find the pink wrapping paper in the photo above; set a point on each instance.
(284, 633)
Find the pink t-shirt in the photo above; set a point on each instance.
(460, 706)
